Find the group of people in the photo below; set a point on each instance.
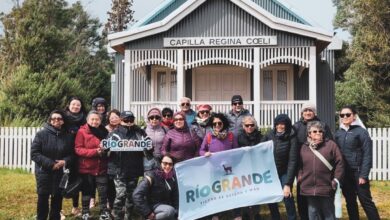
(306, 150)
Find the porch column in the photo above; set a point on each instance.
(256, 83)
(127, 82)
(313, 75)
(180, 74)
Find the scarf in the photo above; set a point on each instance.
(75, 119)
(202, 122)
(100, 132)
(164, 175)
(167, 123)
(220, 135)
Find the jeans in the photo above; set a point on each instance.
(124, 188)
(351, 189)
(288, 203)
(43, 206)
(321, 206)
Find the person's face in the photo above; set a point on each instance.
(166, 164)
(114, 119)
(94, 120)
(281, 127)
(75, 106)
(237, 106)
(100, 108)
(346, 116)
(154, 120)
(167, 116)
(56, 120)
(128, 122)
(307, 114)
(204, 114)
(316, 135)
(178, 121)
(217, 125)
(185, 106)
(249, 126)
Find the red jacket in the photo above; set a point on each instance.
(86, 145)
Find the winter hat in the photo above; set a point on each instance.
(97, 101)
(283, 119)
(154, 111)
(127, 114)
(309, 105)
(204, 107)
(236, 98)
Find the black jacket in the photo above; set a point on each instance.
(244, 139)
(126, 164)
(48, 146)
(285, 153)
(301, 129)
(356, 147)
(159, 191)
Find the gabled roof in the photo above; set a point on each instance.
(171, 12)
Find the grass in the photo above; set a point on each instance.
(18, 198)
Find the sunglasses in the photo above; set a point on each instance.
(219, 123)
(167, 116)
(204, 112)
(316, 131)
(249, 125)
(237, 103)
(185, 104)
(56, 119)
(167, 163)
(128, 120)
(154, 117)
(346, 114)
(178, 119)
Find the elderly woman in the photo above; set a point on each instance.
(201, 123)
(156, 196)
(320, 168)
(51, 149)
(286, 159)
(92, 163)
(114, 120)
(179, 141)
(356, 147)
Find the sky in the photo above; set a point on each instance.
(319, 13)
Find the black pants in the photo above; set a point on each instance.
(43, 206)
(111, 194)
(88, 189)
(351, 189)
(302, 204)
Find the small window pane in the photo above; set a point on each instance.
(267, 85)
(173, 92)
(162, 86)
(282, 85)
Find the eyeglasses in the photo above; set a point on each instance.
(346, 114)
(167, 163)
(237, 103)
(204, 112)
(154, 117)
(56, 119)
(167, 116)
(249, 125)
(219, 123)
(316, 131)
(178, 119)
(185, 104)
(128, 120)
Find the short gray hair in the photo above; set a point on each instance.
(251, 118)
(94, 112)
(315, 124)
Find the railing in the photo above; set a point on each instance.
(15, 149)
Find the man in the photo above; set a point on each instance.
(308, 114)
(185, 106)
(237, 113)
(125, 166)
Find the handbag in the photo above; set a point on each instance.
(70, 184)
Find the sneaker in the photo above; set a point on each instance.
(85, 216)
(92, 203)
(105, 216)
(76, 211)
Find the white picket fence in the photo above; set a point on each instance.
(15, 148)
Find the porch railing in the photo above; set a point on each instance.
(268, 109)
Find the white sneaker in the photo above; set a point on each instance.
(92, 203)
(85, 216)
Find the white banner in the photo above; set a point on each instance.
(220, 41)
(227, 180)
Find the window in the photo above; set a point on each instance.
(166, 84)
(277, 83)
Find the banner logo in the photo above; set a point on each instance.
(115, 143)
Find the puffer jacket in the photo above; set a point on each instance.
(181, 144)
(156, 134)
(212, 144)
(301, 129)
(49, 145)
(200, 130)
(244, 139)
(159, 191)
(314, 176)
(86, 145)
(126, 164)
(356, 147)
(236, 120)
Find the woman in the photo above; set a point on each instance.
(99, 104)
(356, 146)
(156, 196)
(92, 163)
(320, 168)
(248, 136)
(156, 133)
(114, 120)
(286, 159)
(201, 124)
(179, 142)
(167, 120)
(51, 149)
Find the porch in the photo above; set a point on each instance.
(268, 109)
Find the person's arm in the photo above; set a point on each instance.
(166, 145)
(292, 161)
(81, 150)
(204, 146)
(366, 147)
(140, 195)
(328, 133)
(37, 155)
(338, 164)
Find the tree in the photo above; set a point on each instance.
(120, 16)
(368, 21)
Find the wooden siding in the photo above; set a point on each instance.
(220, 18)
(118, 90)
